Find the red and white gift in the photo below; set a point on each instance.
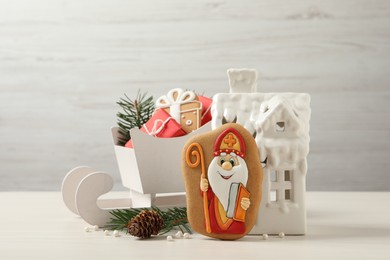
(161, 125)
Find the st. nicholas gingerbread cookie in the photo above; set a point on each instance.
(223, 179)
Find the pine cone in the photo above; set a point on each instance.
(145, 224)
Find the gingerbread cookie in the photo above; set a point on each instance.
(183, 106)
(223, 180)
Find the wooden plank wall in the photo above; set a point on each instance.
(64, 64)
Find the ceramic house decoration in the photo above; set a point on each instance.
(279, 122)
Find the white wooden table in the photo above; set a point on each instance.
(340, 226)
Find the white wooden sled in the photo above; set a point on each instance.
(152, 172)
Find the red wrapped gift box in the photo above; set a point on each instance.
(162, 125)
(206, 109)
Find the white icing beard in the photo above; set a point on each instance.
(221, 186)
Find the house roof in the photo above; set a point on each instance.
(278, 109)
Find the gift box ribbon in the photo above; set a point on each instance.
(156, 129)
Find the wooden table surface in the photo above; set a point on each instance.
(353, 225)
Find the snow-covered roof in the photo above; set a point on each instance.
(259, 113)
(278, 116)
(248, 109)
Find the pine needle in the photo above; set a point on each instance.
(173, 218)
(135, 113)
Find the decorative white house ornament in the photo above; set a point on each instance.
(279, 123)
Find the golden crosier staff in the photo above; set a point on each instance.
(198, 154)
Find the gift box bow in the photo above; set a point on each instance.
(175, 96)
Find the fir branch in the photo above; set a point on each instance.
(173, 217)
(134, 113)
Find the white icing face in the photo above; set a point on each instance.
(221, 178)
(242, 80)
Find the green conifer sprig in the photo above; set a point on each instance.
(173, 217)
(134, 113)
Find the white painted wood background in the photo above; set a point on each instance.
(64, 64)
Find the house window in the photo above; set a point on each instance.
(280, 126)
(272, 197)
(287, 176)
(287, 194)
(281, 187)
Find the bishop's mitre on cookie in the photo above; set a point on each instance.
(223, 179)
